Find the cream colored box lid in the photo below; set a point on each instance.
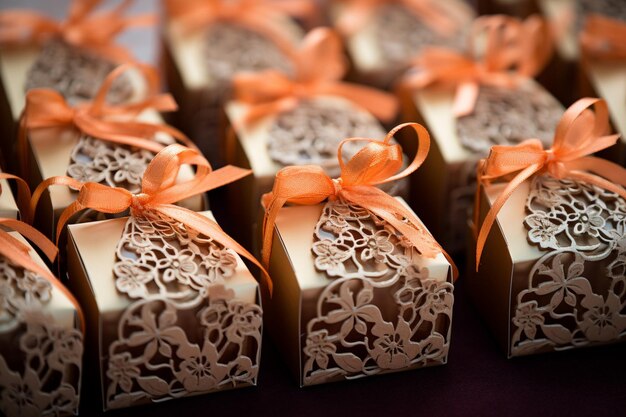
(295, 228)
(8, 207)
(96, 243)
(609, 80)
(556, 11)
(187, 48)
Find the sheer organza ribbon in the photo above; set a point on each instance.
(603, 38)
(580, 133)
(513, 51)
(115, 123)
(379, 162)
(320, 65)
(443, 20)
(19, 254)
(159, 191)
(84, 28)
(256, 15)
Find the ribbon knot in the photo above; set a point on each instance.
(320, 66)
(376, 163)
(84, 28)
(580, 133)
(513, 51)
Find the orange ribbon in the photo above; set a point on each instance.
(23, 196)
(443, 20)
(377, 163)
(48, 109)
(580, 133)
(83, 28)
(514, 50)
(257, 15)
(19, 254)
(604, 38)
(319, 65)
(159, 190)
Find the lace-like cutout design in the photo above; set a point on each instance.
(75, 73)
(158, 256)
(502, 117)
(311, 133)
(46, 358)
(576, 294)
(230, 49)
(114, 165)
(154, 359)
(401, 35)
(351, 334)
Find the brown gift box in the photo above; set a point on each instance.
(41, 346)
(50, 151)
(370, 64)
(247, 146)
(201, 95)
(447, 177)
(557, 297)
(364, 323)
(162, 338)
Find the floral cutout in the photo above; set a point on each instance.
(400, 34)
(159, 256)
(184, 333)
(576, 294)
(230, 48)
(501, 117)
(75, 73)
(40, 362)
(350, 336)
(154, 359)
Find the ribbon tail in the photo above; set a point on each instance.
(23, 196)
(256, 112)
(504, 196)
(465, 99)
(209, 228)
(381, 104)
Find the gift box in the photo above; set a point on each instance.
(276, 120)
(110, 144)
(505, 107)
(352, 295)
(381, 37)
(206, 43)
(603, 70)
(174, 310)
(41, 326)
(39, 52)
(551, 267)
(517, 8)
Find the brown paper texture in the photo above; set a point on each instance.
(40, 347)
(516, 287)
(91, 261)
(298, 285)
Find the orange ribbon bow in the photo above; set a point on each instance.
(19, 254)
(604, 38)
(47, 109)
(83, 28)
(319, 66)
(514, 50)
(257, 15)
(159, 192)
(377, 163)
(443, 20)
(580, 133)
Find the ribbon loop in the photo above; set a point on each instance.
(84, 28)
(320, 65)
(513, 50)
(580, 133)
(377, 163)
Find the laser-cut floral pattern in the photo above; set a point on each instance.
(576, 294)
(40, 376)
(351, 335)
(185, 334)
